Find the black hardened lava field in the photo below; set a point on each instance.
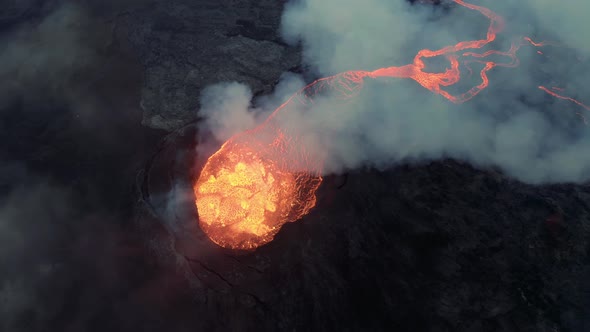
(294, 165)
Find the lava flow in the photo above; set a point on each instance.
(260, 179)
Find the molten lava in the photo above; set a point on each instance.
(262, 178)
(244, 194)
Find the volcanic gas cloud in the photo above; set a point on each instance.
(260, 179)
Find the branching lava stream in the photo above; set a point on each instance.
(262, 178)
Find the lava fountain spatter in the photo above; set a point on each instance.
(262, 178)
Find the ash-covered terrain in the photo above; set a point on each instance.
(101, 132)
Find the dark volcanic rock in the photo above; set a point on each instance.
(434, 247)
(186, 45)
(17, 11)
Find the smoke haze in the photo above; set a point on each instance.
(71, 258)
(511, 124)
(68, 154)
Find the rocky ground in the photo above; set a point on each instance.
(438, 246)
(187, 45)
(433, 247)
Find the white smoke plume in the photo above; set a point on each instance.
(512, 124)
(228, 108)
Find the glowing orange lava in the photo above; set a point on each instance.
(246, 193)
(262, 178)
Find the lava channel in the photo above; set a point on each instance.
(263, 178)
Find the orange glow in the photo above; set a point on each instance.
(557, 95)
(262, 178)
(244, 197)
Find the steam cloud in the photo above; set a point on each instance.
(53, 121)
(33, 211)
(512, 124)
(44, 57)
